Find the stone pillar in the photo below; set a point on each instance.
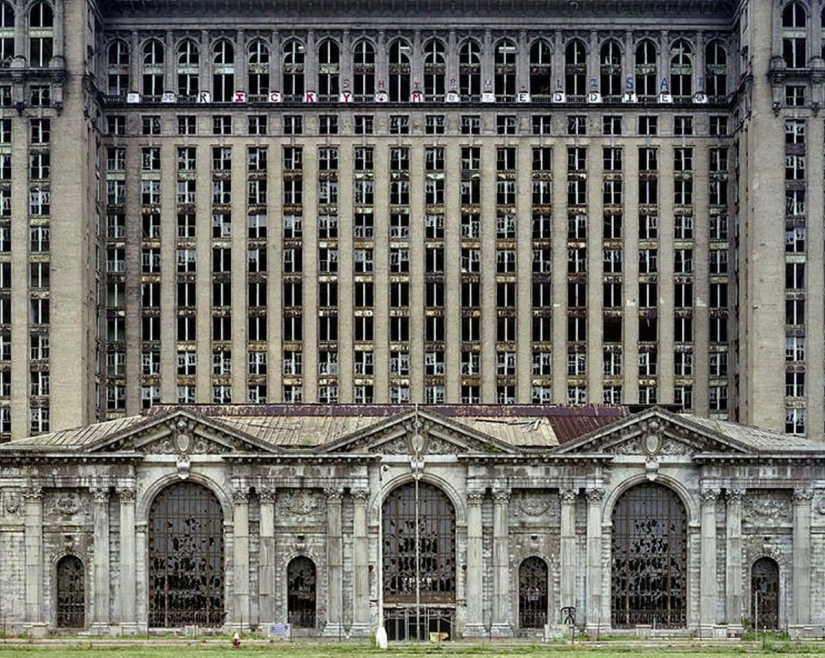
(33, 502)
(708, 579)
(802, 556)
(594, 559)
(501, 564)
(335, 616)
(127, 616)
(240, 554)
(100, 565)
(266, 559)
(733, 558)
(568, 550)
(361, 577)
(475, 565)
(59, 32)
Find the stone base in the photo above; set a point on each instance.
(360, 630)
(100, 628)
(501, 630)
(475, 630)
(799, 631)
(334, 631)
(36, 630)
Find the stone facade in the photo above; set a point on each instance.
(533, 534)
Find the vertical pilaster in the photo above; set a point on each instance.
(475, 565)
(100, 566)
(802, 556)
(594, 558)
(361, 577)
(733, 557)
(334, 626)
(708, 579)
(266, 560)
(501, 564)
(568, 548)
(241, 557)
(33, 502)
(127, 556)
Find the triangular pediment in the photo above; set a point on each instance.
(419, 432)
(653, 433)
(182, 433)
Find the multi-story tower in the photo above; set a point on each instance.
(238, 204)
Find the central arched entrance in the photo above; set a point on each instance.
(765, 593)
(186, 558)
(649, 565)
(418, 543)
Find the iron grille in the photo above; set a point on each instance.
(649, 558)
(301, 592)
(532, 593)
(765, 593)
(71, 593)
(186, 558)
(412, 623)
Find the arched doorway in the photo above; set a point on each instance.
(71, 593)
(418, 543)
(649, 558)
(532, 593)
(765, 593)
(301, 580)
(186, 558)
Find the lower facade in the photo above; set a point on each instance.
(427, 525)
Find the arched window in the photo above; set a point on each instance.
(435, 69)
(71, 593)
(186, 558)
(41, 35)
(469, 70)
(649, 558)
(152, 69)
(794, 35)
(6, 33)
(505, 71)
(541, 73)
(575, 69)
(363, 70)
(188, 69)
(301, 587)
(293, 71)
(399, 70)
(329, 70)
(765, 593)
(646, 69)
(258, 71)
(117, 68)
(532, 593)
(681, 68)
(419, 566)
(716, 76)
(223, 71)
(610, 69)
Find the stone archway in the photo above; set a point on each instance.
(649, 558)
(186, 558)
(765, 593)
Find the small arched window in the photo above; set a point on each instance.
(293, 71)
(258, 71)
(435, 68)
(399, 70)
(223, 71)
(6, 33)
(363, 70)
(646, 69)
(470, 70)
(41, 35)
(505, 71)
(681, 68)
(188, 69)
(575, 68)
(329, 70)
(152, 68)
(118, 68)
(794, 35)
(541, 73)
(716, 76)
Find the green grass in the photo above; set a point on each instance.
(74, 648)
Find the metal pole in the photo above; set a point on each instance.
(417, 565)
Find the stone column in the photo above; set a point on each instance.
(708, 579)
(266, 559)
(802, 556)
(241, 558)
(33, 502)
(475, 565)
(594, 559)
(127, 616)
(568, 549)
(100, 566)
(205, 77)
(59, 31)
(334, 626)
(501, 564)
(361, 577)
(733, 558)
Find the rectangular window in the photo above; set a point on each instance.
(222, 124)
(470, 124)
(648, 125)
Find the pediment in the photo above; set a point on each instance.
(654, 433)
(181, 433)
(419, 433)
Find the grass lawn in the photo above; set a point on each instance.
(186, 648)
